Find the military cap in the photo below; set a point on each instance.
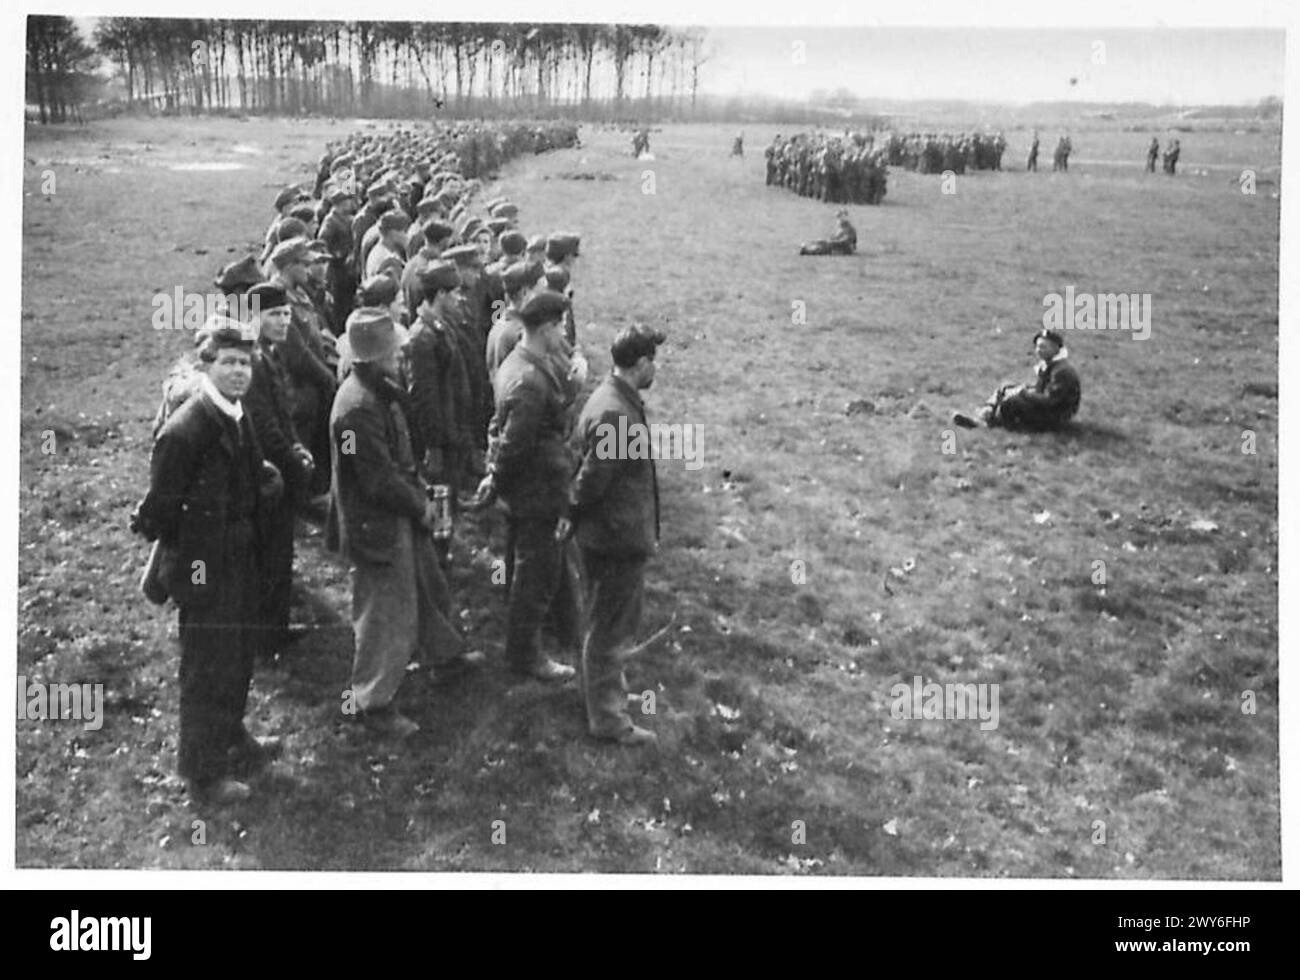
(1051, 335)
(439, 275)
(371, 335)
(543, 307)
(320, 249)
(513, 243)
(505, 209)
(267, 296)
(238, 275)
(436, 231)
(561, 245)
(305, 213)
(557, 279)
(394, 220)
(520, 275)
(378, 290)
(537, 243)
(391, 266)
(470, 228)
(290, 228)
(427, 205)
(461, 254)
(497, 225)
(379, 188)
(337, 192)
(287, 196)
(635, 342)
(340, 162)
(220, 332)
(489, 205)
(291, 251)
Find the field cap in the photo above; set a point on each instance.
(461, 254)
(377, 290)
(543, 307)
(268, 296)
(371, 335)
(439, 275)
(291, 251)
(238, 275)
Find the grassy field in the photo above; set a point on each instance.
(816, 559)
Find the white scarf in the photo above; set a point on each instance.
(234, 409)
(1061, 355)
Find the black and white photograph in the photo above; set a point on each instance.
(758, 446)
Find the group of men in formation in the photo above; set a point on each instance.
(850, 168)
(407, 349)
(838, 168)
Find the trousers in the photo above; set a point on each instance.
(543, 589)
(399, 607)
(218, 641)
(615, 587)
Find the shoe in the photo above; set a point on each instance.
(221, 792)
(634, 735)
(253, 755)
(462, 663)
(293, 633)
(388, 722)
(965, 421)
(546, 670)
(469, 660)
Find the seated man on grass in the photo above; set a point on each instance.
(1049, 403)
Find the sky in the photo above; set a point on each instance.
(1183, 67)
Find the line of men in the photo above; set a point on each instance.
(456, 362)
(842, 169)
(933, 153)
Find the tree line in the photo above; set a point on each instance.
(373, 68)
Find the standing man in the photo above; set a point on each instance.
(616, 517)
(206, 503)
(267, 404)
(307, 357)
(530, 466)
(1033, 154)
(1153, 151)
(380, 519)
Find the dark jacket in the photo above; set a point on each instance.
(267, 403)
(530, 458)
(375, 485)
(615, 497)
(205, 475)
(1052, 401)
(440, 389)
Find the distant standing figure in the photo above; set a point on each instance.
(1171, 157)
(1153, 151)
(1033, 155)
(738, 145)
(1061, 160)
